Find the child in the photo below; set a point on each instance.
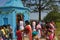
(51, 36)
(18, 33)
(4, 33)
(1, 34)
(34, 26)
(34, 33)
(9, 32)
(39, 30)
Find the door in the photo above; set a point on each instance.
(5, 21)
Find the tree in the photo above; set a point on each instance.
(41, 5)
(53, 15)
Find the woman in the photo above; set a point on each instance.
(21, 25)
(28, 30)
(22, 28)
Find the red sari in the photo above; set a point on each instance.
(19, 36)
(29, 31)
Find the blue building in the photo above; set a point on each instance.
(11, 11)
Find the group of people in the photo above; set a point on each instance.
(5, 32)
(36, 30)
(33, 30)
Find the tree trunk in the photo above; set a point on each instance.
(39, 10)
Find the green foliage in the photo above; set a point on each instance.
(53, 15)
(58, 28)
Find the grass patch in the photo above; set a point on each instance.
(58, 28)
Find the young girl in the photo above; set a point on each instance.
(34, 26)
(18, 33)
(1, 34)
(4, 33)
(34, 33)
(51, 36)
(53, 27)
(39, 30)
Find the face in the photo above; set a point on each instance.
(34, 23)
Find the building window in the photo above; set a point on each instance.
(5, 21)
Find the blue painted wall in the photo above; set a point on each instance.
(12, 18)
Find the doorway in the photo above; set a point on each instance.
(5, 21)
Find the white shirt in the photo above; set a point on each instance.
(21, 25)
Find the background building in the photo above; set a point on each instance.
(11, 12)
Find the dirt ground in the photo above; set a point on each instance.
(26, 38)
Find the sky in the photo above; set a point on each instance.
(43, 14)
(3, 2)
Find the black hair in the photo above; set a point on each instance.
(27, 22)
(38, 22)
(4, 25)
(18, 28)
(8, 25)
(47, 22)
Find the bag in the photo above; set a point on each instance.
(34, 33)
